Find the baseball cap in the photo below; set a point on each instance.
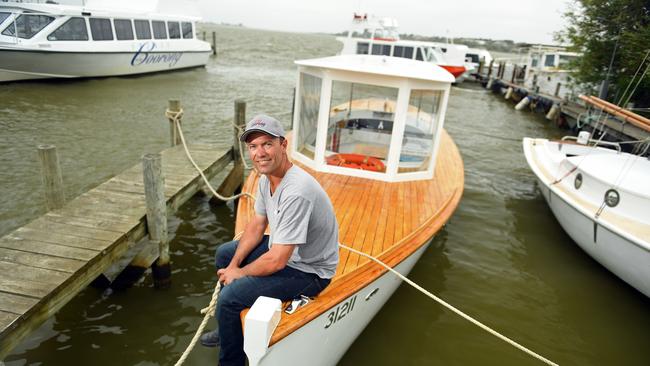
(263, 123)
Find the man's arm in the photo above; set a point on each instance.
(268, 263)
(252, 236)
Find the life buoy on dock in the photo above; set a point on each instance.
(356, 161)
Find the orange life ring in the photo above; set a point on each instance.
(356, 161)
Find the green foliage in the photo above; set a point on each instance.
(598, 27)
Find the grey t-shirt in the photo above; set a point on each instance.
(301, 213)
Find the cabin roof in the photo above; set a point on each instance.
(382, 65)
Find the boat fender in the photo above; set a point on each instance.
(522, 103)
(509, 92)
(259, 325)
(583, 137)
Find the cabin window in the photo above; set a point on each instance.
(419, 131)
(72, 30)
(360, 125)
(142, 29)
(418, 55)
(310, 87)
(174, 30)
(549, 60)
(381, 49)
(402, 51)
(187, 30)
(28, 25)
(159, 29)
(472, 57)
(123, 29)
(363, 48)
(4, 16)
(101, 29)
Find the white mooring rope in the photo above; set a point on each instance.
(450, 307)
(176, 116)
(210, 309)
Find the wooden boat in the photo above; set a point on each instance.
(389, 110)
(600, 197)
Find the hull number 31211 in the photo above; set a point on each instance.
(340, 312)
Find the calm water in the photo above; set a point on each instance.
(502, 258)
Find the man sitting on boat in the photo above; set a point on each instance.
(298, 258)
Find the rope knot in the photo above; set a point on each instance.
(174, 115)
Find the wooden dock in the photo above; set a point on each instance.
(47, 262)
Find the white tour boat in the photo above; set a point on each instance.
(379, 36)
(63, 41)
(601, 197)
(370, 130)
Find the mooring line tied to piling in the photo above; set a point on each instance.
(210, 309)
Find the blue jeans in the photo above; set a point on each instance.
(285, 285)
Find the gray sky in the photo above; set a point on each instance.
(520, 20)
(532, 21)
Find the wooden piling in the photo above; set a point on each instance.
(514, 73)
(204, 36)
(557, 89)
(481, 64)
(235, 179)
(490, 68)
(154, 190)
(214, 43)
(52, 178)
(174, 106)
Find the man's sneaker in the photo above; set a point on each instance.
(210, 339)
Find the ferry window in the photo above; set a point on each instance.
(72, 30)
(418, 55)
(4, 16)
(381, 49)
(101, 29)
(408, 52)
(363, 48)
(142, 29)
(310, 87)
(187, 30)
(174, 30)
(360, 125)
(549, 60)
(401, 51)
(28, 25)
(420, 129)
(123, 29)
(159, 29)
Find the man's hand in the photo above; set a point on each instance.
(229, 274)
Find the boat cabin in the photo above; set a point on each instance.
(369, 116)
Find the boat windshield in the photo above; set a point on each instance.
(4, 16)
(28, 25)
(360, 125)
(432, 55)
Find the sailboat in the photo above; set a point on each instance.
(600, 196)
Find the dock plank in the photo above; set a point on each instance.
(24, 287)
(6, 318)
(21, 271)
(38, 260)
(16, 304)
(63, 239)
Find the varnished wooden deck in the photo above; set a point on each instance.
(387, 220)
(47, 262)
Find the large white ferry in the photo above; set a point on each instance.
(64, 41)
(379, 36)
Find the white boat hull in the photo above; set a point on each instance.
(25, 65)
(617, 237)
(324, 340)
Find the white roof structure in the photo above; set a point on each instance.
(383, 66)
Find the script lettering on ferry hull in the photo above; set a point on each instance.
(145, 56)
